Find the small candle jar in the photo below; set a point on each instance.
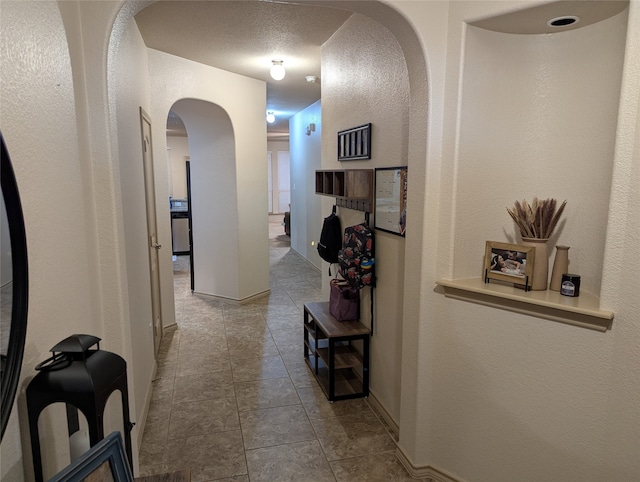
(570, 285)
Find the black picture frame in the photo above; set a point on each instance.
(17, 290)
(355, 143)
(390, 211)
(104, 462)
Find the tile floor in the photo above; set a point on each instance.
(234, 400)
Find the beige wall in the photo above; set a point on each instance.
(177, 150)
(543, 133)
(364, 79)
(476, 382)
(279, 150)
(500, 385)
(486, 395)
(31, 161)
(305, 155)
(68, 187)
(230, 266)
(129, 89)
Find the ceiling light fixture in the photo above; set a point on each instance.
(271, 117)
(563, 21)
(277, 70)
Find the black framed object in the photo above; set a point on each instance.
(355, 143)
(105, 461)
(12, 359)
(391, 199)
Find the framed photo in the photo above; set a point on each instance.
(391, 200)
(104, 462)
(355, 143)
(512, 263)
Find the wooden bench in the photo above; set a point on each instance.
(337, 352)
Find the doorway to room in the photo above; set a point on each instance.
(181, 234)
(152, 229)
(279, 177)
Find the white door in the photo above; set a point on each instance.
(152, 223)
(270, 180)
(284, 182)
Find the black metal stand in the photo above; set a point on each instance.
(526, 286)
(83, 379)
(341, 371)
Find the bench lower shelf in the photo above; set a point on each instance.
(348, 383)
(336, 352)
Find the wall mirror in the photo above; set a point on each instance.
(14, 286)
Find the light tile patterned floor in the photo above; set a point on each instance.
(234, 400)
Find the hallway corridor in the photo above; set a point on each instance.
(234, 400)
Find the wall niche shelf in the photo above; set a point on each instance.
(583, 311)
(352, 188)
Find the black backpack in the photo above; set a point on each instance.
(330, 238)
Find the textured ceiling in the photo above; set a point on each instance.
(244, 37)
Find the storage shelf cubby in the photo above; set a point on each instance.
(352, 188)
(344, 357)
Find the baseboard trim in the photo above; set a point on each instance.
(140, 424)
(242, 301)
(170, 327)
(306, 259)
(257, 296)
(379, 409)
(428, 472)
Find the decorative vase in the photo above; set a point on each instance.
(540, 263)
(560, 267)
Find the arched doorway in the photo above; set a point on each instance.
(416, 153)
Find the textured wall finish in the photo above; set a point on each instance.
(365, 80)
(177, 150)
(510, 391)
(306, 154)
(543, 133)
(213, 182)
(38, 122)
(130, 91)
(487, 395)
(241, 258)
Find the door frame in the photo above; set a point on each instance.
(188, 168)
(152, 237)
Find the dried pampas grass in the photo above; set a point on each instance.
(538, 219)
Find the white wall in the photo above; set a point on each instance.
(363, 66)
(305, 157)
(510, 396)
(284, 181)
(486, 395)
(177, 150)
(65, 187)
(279, 154)
(473, 387)
(542, 126)
(619, 290)
(130, 91)
(238, 243)
(213, 183)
